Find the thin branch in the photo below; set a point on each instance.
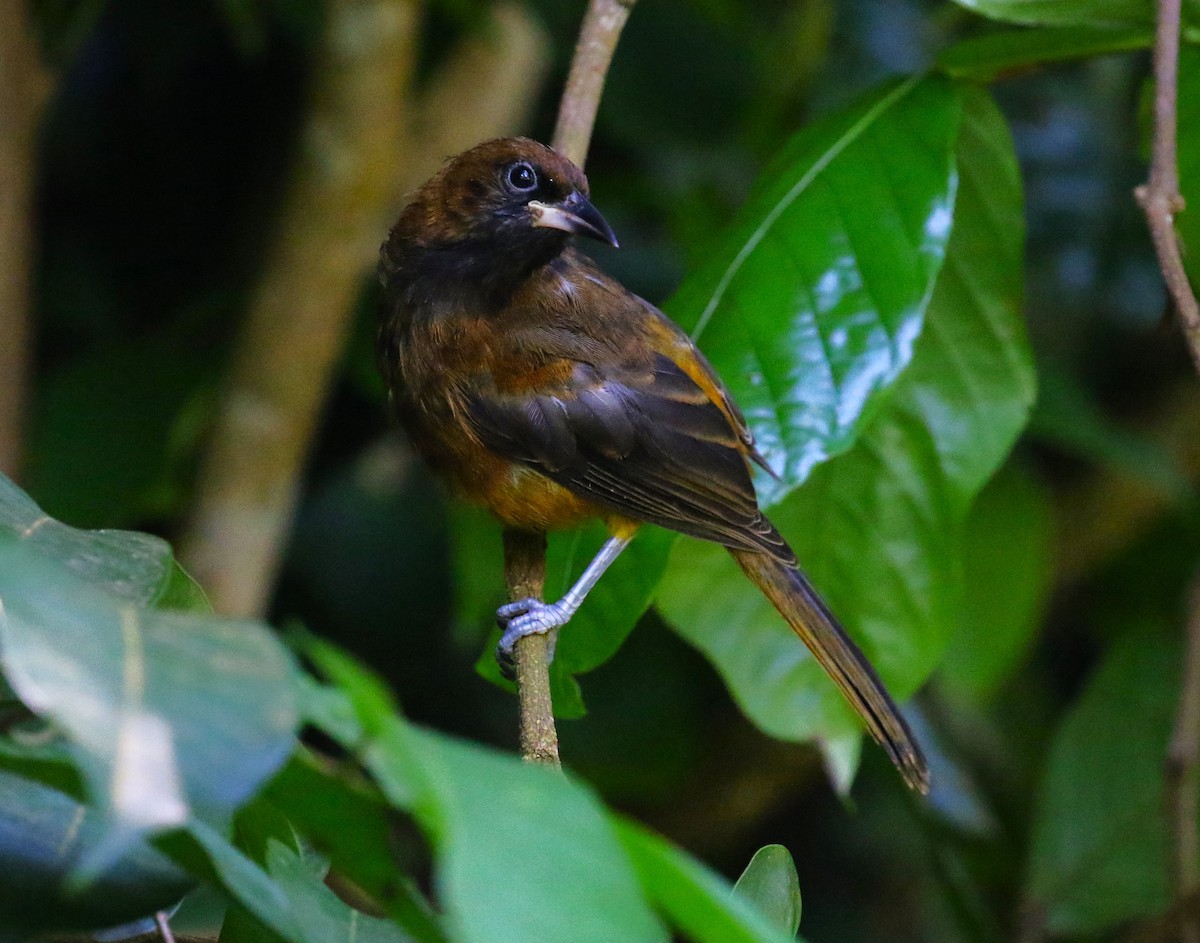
(1159, 197)
(1182, 782)
(602, 25)
(598, 35)
(525, 575)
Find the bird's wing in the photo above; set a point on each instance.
(646, 440)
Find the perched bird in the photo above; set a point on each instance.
(542, 389)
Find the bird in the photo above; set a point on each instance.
(535, 385)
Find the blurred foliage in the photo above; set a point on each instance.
(847, 231)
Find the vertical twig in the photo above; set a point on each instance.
(598, 35)
(525, 574)
(1182, 782)
(1159, 197)
(602, 25)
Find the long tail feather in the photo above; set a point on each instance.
(797, 601)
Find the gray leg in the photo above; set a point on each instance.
(534, 617)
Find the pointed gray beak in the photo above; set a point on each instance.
(574, 215)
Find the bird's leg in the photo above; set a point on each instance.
(534, 617)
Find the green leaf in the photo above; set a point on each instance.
(1008, 567)
(1187, 223)
(133, 566)
(811, 306)
(43, 835)
(878, 528)
(693, 898)
(522, 852)
(992, 55)
(1099, 842)
(1088, 14)
(770, 883)
(166, 711)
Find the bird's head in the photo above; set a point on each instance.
(506, 202)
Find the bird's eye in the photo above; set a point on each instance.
(522, 177)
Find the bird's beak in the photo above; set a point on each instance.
(574, 215)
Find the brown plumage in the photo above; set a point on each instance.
(539, 387)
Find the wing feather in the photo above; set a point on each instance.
(645, 441)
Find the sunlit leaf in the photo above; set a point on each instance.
(811, 306)
(878, 528)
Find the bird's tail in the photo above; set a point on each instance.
(792, 594)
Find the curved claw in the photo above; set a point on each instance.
(526, 617)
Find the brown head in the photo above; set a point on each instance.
(490, 215)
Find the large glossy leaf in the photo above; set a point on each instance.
(811, 306)
(694, 899)
(43, 835)
(878, 528)
(167, 712)
(1099, 842)
(1188, 222)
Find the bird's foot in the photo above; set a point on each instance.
(527, 617)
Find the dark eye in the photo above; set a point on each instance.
(522, 177)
